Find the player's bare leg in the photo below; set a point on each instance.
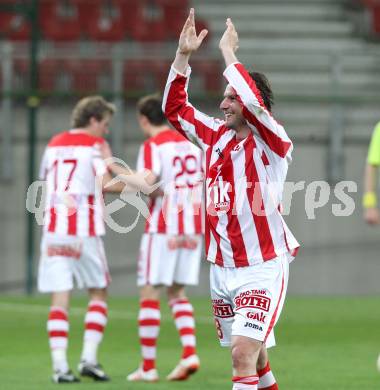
(267, 381)
(149, 328)
(58, 328)
(183, 314)
(245, 352)
(95, 323)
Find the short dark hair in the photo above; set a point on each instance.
(264, 87)
(151, 107)
(91, 107)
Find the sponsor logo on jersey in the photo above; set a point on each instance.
(64, 251)
(253, 326)
(257, 316)
(253, 301)
(222, 310)
(218, 198)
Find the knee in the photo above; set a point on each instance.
(243, 357)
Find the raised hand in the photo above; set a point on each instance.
(230, 39)
(188, 40)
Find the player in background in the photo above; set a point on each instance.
(71, 246)
(370, 205)
(170, 248)
(247, 241)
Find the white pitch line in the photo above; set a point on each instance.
(77, 311)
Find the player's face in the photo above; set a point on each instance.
(232, 109)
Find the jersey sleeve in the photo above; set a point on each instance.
(257, 115)
(199, 128)
(99, 165)
(148, 158)
(373, 157)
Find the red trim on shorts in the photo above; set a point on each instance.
(272, 321)
(91, 221)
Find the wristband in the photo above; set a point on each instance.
(369, 200)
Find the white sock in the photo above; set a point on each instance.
(59, 359)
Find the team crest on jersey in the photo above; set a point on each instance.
(250, 299)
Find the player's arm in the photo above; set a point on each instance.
(193, 124)
(371, 210)
(257, 115)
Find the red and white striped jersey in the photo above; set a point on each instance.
(74, 204)
(177, 163)
(244, 178)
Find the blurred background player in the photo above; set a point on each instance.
(247, 240)
(370, 205)
(371, 210)
(72, 247)
(170, 248)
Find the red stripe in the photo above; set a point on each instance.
(246, 380)
(148, 155)
(275, 143)
(186, 331)
(75, 139)
(197, 207)
(264, 370)
(163, 213)
(150, 304)
(148, 220)
(94, 326)
(254, 197)
(176, 105)
(57, 333)
(148, 258)
(233, 226)
(251, 83)
(149, 322)
(53, 219)
(181, 228)
(184, 313)
(91, 221)
(98, 309)
(273, 319)
(57, 315)
(148, 342)
(72, 221)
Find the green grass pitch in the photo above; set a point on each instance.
(323, 343)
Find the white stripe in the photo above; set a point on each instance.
(182, 307)
(212, 249)
(58, 342)
(189, 129)
(93, 335)
(149, 331)
(267, 380)
(147, 313)
(57, 325)
(96, 317)
(148, 352)
(244, 212)
(185, 322)
(188, 340)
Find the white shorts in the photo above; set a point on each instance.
(64, 259)
(247, 301)
(166, 259)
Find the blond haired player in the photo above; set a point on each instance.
(247, 241)
(170, 248)
(72, 247)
